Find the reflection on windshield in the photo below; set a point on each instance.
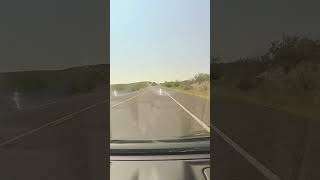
(159, 69)
(160, 111)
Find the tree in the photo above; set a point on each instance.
(201, 77)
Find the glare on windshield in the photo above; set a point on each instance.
(159, 70)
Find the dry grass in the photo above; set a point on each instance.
(202, 94)
(197, 89)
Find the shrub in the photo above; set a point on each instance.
(176, 84)
(187, 87)
(201, 77)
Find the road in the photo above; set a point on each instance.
(249, 141)
(65, 140)
(285, 145)
(155, 113)
(68, 139)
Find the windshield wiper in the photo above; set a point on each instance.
(130, 141)
(187, 145)
(188, 139)
(180, 139)
(148, 152)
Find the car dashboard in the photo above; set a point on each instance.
(158, 167)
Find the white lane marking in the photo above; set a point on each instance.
(129, 99)
(206, 127)
(264, 170)
(52, 123)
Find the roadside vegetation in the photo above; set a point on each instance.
(197, 86)
(129, 87)
(286, 77)
(68, 81)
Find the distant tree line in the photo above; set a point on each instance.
(186, 84)
(68, 81)
(292, 59)
(129, 87)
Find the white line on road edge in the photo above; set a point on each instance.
(52, 123)
(129, 99)
(264, 170)
(206, 127)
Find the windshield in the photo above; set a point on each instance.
(159, 72)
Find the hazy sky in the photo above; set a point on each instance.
(159, 40)
(51, 34)
(148, 36)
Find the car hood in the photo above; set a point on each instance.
(173, 167)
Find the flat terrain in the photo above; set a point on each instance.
(157, 113)
(68, 139)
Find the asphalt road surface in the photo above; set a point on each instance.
(269, 144)
(66, 140)
(155, 113)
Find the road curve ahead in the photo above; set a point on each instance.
(153, 114)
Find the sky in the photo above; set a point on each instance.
(170, 35)
(243, 28)
(154, 40)
(51, 34)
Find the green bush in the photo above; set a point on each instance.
(201, 77)
(176, 84)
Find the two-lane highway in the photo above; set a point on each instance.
(68, 139)
(153, 114)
